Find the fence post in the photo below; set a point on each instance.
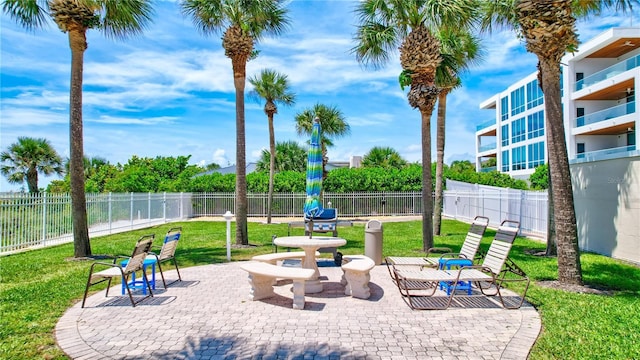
(131, 209)
(164, 206)
(110, 212)
(149, 207)
(500, 206)
(182, 205)
(521, 207)
(482, 201)
(456, 202)
(44, 218)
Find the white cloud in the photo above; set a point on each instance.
(170, 92)
(21, 118)
(220, 157)
(134, 121)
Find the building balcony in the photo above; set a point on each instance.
(609, 72)
(605, 154)
(487, 147)
(488, 169)
(486, 124)
(607, 114)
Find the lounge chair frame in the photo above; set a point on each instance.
(469, 250)
(168, 253)
(492, 273)
(114, 269)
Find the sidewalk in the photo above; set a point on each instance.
(209, 316)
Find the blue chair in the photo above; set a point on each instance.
(114, 270)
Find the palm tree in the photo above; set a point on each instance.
(548, 26)
(75, 17)
(273, 87)
(290, 156)
(90, 165)
(332, 123)
(243, 23)
(384, 157)
(410, 25)
(28, 157)
(460, 49)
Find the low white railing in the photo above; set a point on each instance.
(37, 220)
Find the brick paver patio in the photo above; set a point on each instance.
(209, 316)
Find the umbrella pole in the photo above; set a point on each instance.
(310, 228)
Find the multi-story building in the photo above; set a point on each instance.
(601, 120)
(600, 116)
(515, 138)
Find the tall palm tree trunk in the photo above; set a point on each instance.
(427, 192)
(81, 245)
(437, 210)
(272, 166)
(552, 250)
(569, 268)
(239, 76)
(32, 180)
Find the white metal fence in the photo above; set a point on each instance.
(28, 221)
(34, 220)
(463, 201)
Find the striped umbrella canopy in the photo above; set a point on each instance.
(313, 206)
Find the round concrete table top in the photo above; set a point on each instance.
(305, 241)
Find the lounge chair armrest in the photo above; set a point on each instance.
(484, 269)
(105, 264)
(444, 261)
(450, 255)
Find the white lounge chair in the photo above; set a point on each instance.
(492, 273)
(469, 249)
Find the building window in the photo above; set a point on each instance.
(518, 131)
(505, 161)
(580, 150)
(517, 101)
(579, 81)
(535, 123)
(536, 154)
(519, 158)
(579, 116)
(504, 108)
(505, 135)
(534, 94)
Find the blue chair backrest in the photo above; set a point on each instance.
(327, 214)
(172, 237)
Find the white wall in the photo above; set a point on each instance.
(597, 142)
(607, 203)
(592, 66)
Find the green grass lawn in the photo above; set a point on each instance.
(36, 287)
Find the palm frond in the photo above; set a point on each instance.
(207, 15)
(375, 44)
(585, 8)
(500, 13)
(272, 87)
(30, 14)
(124, 18)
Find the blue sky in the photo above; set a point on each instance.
(170, 91)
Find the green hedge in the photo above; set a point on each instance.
(346, 180)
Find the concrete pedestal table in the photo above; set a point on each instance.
(310, 246)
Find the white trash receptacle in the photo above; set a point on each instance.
(373, 241)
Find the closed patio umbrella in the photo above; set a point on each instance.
(312, 205)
